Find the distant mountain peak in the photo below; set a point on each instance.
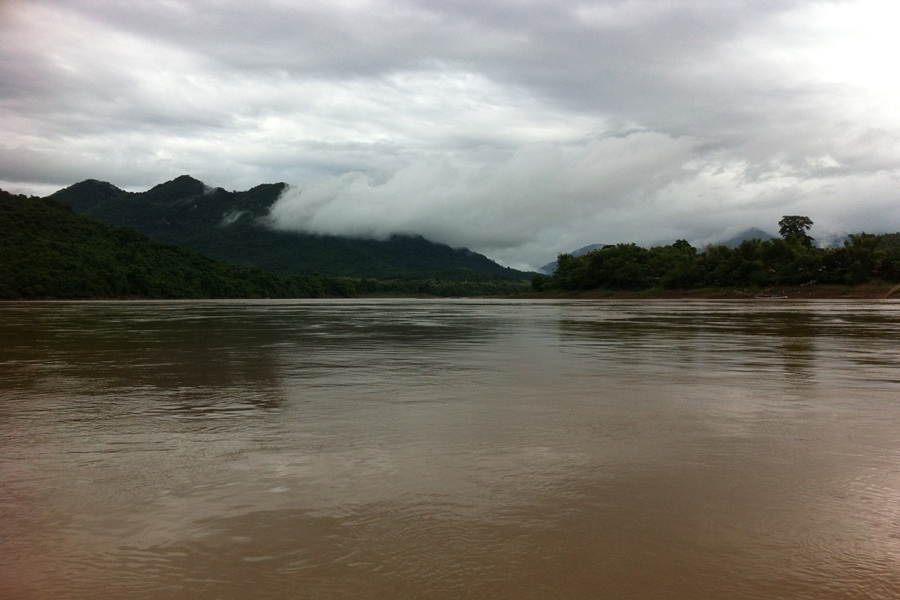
(181, 186)
(85, 195)
(183, 180)
(103, 189)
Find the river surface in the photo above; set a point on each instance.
(450, 449)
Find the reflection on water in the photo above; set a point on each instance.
(446, 449)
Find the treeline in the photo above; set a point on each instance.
(48, 251)
(790, 260)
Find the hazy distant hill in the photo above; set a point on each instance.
(225, 226)
(749, 234)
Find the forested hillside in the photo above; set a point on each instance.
(48, 251)
(227, 226)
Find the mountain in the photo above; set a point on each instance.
(48, 251)
(229, 226)
(550, 267)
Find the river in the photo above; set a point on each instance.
(450, 449)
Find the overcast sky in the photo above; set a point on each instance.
(519, 129)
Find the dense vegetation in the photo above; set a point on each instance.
(230, 226)
(48, 251)
(755, 263)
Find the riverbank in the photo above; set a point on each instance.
(868, 291)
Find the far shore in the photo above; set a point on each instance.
(868, 291)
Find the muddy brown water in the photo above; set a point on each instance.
(450, 449)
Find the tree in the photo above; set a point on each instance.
(538, 282)
(569, 271)
(794, 228)
(862, 257)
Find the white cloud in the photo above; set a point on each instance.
(469, 203)
(518, 129)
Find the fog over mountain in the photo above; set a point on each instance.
(517, 129)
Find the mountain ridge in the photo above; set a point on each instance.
(229, 226)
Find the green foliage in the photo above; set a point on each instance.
(539, 282)
(889, 241)
(48, 251)
(862, 257)
(754, 263)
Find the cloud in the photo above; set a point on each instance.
(519, 129)
(468, 202)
